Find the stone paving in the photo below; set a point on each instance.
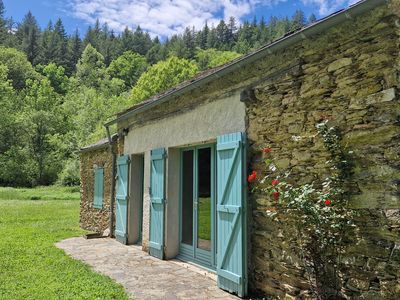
(143, 276)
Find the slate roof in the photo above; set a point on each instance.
(99, 144)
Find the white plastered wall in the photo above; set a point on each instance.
(200, 125)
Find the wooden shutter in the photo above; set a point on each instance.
(157, 200)
(231, 214)
(122, 199)
(98, 188)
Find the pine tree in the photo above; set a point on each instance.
(203, 36)
(141, 42)
(3, 24)
(298, 20)
(60, 36)
(189, 43)
(212, 38)
(47, 45)
(232, 29)
(74, 51)
(127, 40)
(312, 19)
(28, 35)
(156, 53)
(92, 37)
(222, 33)
(90, 70)
(11, 38)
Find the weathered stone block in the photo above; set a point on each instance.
(340, 63)
(383, 96)
(358, 284)
(376, 136)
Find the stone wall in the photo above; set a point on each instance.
(94, 219)
(348, 75)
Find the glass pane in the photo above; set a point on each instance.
(204, 202)
(187, 197)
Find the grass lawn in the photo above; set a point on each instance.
(31, 267)
(40, 193)
(204, 227)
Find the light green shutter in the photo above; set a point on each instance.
(122, 199)
(231, 214)
(157, 199)
(98, 188)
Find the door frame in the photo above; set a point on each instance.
(192, 253)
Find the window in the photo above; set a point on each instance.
(98, 188)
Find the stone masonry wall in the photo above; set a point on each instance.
(349, 76)
(93, 219)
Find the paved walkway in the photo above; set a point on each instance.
(143, 276)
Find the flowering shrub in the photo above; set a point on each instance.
(319, 209)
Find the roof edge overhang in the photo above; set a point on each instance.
(328, 22)
(99, 145)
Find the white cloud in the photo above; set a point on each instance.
(326, 7)
(167, 17)
(162, 17)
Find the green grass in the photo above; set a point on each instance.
(204, 228)
(40, 193)
(31, 267)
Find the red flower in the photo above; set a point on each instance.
(252, 176)
(328, 202)
(275, 195)
(266, 150)
(275, 182)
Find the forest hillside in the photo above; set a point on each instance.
(58, 89)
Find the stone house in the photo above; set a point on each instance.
(182, 158)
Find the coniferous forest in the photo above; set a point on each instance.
(58, 89)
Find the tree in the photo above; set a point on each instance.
(74, 51)
(212, 38)
(92, 36)
(56, 76)
(90, 70)
(201, 37)
(162, 76)
(43, 119)
(3, 23)
(19, 68)
(7, 94)
(47, 45)
(156, 53)
(312, 19)
(298, 20)
(188, 39)
(231, 34)
(61, 55)
(127, 40)
(211, 58)
(128, 67)
(28, 35)
(141, 42)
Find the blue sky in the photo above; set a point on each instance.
(162, 17)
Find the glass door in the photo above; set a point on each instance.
(198, 205)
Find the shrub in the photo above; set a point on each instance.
(70, 175)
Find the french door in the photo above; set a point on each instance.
(197, 210)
